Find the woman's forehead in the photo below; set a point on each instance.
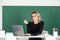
(33, 14)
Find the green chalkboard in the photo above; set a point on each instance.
(15, 15)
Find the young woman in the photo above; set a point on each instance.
(34, 27)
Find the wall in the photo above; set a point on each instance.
(15, 15)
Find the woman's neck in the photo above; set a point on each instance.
(35, 22)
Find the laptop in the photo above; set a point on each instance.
(18, 30)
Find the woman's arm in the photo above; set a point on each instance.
(28, 24)
(27, 34)
(25, 21)
(41, 27)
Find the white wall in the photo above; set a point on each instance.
(32, 2)
(26, 3)
(0, 14)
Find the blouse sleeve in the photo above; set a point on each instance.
(41, 27)
(28, 28)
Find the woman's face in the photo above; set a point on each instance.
(34, 17)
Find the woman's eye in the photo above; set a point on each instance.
(33, 16)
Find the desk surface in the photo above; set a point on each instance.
(10, 36)
(30, 36)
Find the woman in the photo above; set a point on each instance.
(34, 27)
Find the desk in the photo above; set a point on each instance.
(2, 38)
(10, 36)
(45, 38)
(27, 37)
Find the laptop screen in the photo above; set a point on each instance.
(18, 30)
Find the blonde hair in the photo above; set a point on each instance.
(38, 14)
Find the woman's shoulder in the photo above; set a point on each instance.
(41, 22)
(30, 22)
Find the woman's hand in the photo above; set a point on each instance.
(25, 21)
(28, 34)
